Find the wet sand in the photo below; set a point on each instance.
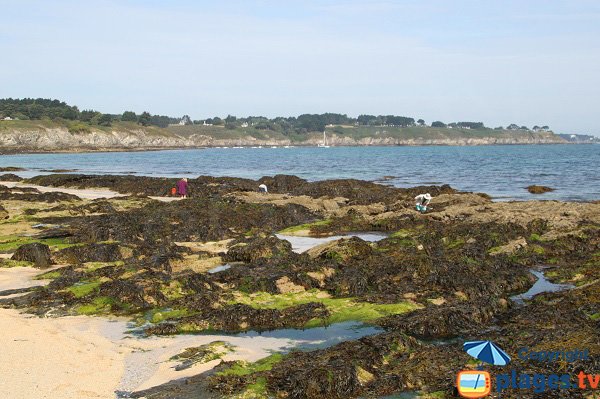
(81, 193)
(57, 358)
(87, 193)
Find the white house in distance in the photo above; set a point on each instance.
(185, 120)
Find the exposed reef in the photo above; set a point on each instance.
(432, 281)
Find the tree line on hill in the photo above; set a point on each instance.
(41, 108)
(38, 109)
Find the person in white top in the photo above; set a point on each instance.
(263, 188)
(423, 201)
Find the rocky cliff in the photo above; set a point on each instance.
(60, 139)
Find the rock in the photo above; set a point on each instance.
(35, 252)
(3, 213)
(509, 248)
(256, 248)
(534, 189)
(341, 249)
(364, 377)
(33, 195)
(10, 177)
(286, 286)
(90, 253)
(54, 232)
(321, 276)
(11, 169)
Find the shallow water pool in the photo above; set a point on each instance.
(303, 244)
(541, 285)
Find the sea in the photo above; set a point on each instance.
(503, 172)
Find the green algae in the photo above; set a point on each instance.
(402, 233)
(202, 354)
(536, 249)
(241, 368)
(340, 309)
(9, 263)
(535, 238)
(456, 243)
(160, 315)
(174, 290)
(83, 289)
(10, 243)
(255, 390)
(48, 275)
(305, 227)
(99, 305)
(92, 266)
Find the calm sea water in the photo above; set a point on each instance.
(501, 171)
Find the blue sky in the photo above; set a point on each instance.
(527, 62)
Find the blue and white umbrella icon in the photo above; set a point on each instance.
(487, 352)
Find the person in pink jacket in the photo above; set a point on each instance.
(182, 187)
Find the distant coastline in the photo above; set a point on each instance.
(54, 137)
(45, 125)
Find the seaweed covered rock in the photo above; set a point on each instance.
(90, 253)
(35, 252)
(241, 317)
(146, 186)
(10, 177)
(12, 169)
(444, 321)
(346, 370)
(257, 247)
(535, 189)
(34, 195)
(341, 250)
(122, 184)
(196, 219)
(283, 183)
(358, 192)
(135, 295)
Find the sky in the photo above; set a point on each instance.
(530, 62)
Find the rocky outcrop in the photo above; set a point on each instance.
(10, 177)
(36, 252)
(535, 189)
(3, 213)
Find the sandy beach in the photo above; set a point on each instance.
(87, 193)
(57, 358)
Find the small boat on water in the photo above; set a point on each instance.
(324, 143)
